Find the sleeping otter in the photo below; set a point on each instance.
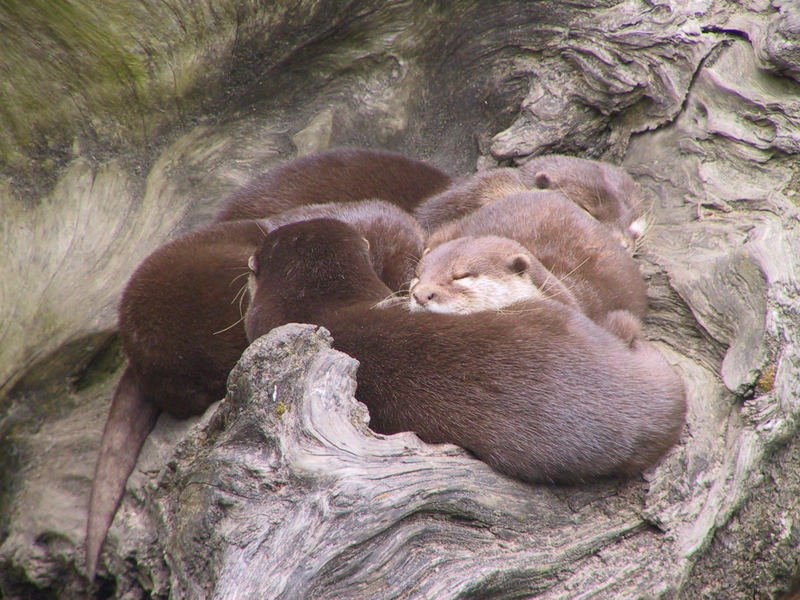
(542, 395)
(338, 175)
(570, 247)
(475, 273)
(180, 321)
(467, 195)
(603, 190)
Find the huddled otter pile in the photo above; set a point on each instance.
(501, 312)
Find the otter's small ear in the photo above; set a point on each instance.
(366, 241)
(252, 264)
(542, 181)
(518, 264)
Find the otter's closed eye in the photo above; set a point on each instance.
(462, 276)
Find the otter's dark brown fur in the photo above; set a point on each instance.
(338, 175)
(395, 238)
(181, 330)
(467, 195)
(180, 321)
(604, 190)
(542, 394)
(568, 242)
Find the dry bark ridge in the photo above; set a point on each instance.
(699, 101)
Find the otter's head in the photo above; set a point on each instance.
(472, 274)
(396, 242)
(605, 191)
(303, 267)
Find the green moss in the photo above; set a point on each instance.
(280, 409)
(105, 70)
(59, 57)
(766, 380)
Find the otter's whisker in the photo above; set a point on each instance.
(239, 295)
(239, 276)
(413, 259)
(552, 276)
(637, 204)
(229, 326)
(242, 294)
(403, 293)
(507, 310)
(392, 299)
(578, 266)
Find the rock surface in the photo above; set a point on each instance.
(699, 101)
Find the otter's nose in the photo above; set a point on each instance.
(423, 294)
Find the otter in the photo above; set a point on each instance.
(338, 175)
(467, 195)
(471, 274)
(395, 237)
(544, 395)
(181, 327)
(603, 190)
(596, 274)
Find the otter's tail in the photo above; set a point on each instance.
(130, 420)
(625, 325)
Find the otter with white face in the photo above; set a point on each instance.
(526, 246)
(570, 247)
(474, 274)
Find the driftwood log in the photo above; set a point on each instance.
(123, 126)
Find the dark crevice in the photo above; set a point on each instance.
(717, 29)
